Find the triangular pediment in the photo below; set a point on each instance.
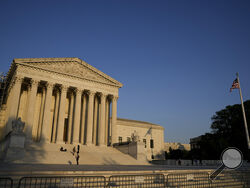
(71, 67)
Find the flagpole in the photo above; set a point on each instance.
(243, 112)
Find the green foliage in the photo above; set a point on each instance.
(177, 154)
(227, 131)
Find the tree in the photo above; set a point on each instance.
(229, 125)
(227, 131)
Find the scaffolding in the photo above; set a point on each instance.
(2, 88)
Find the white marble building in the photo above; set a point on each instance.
(67, 101)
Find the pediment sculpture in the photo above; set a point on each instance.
(73, 69)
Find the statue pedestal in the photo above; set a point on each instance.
(17, 141)
(16, 149)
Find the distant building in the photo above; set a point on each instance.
(194, 142)
(175, 145)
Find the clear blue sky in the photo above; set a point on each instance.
(177, 59)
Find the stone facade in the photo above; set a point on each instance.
(62, 100)
(67, 101)
(151, 135)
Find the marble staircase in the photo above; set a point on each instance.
(89, 155)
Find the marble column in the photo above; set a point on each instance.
(55, 120)
(47, 128)
(95, 120)
(61, 115)
(101, 131)
(41, 115)
(114, 138)
(31, 108)
(71, 119)
(77, 114)
(83, 118)
(90, 118)
(107, 122)
(14, 102)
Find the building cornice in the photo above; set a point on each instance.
(136, 123)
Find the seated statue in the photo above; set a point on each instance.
(135, 137)
(17, 126)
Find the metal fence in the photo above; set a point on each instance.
(137, 181)
(232, 179)
(188, 180)
(65, 181)
(6, 182)
(239, 179)
(227, 178)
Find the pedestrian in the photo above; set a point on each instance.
(179, 162)
(78, 148)
(77, 158)
(74, 150)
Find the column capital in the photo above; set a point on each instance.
(64, 88)
(78, 90)
(114, 97)
(49, 85)
(18, 79)
(103, 95)
(91, 93)
(15, 80)
(34, 82)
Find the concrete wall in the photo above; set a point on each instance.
(134, 149)
(123, 148)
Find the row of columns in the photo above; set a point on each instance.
(77, 109)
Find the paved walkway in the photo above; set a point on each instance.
(55, 167)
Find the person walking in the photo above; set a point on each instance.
(77, 158)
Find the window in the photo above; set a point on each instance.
(151, 143)
(145, 142)
(120, 139)
(128, 139)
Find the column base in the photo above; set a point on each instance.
(90, 144)
(102, 145)
(59, 142)
(45, 141)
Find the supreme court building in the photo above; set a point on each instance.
(68, 101)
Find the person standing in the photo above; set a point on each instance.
(78, 148)
(77, 158)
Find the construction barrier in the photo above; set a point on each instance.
(6, 182)
(137, 181)
(64, 181)
(227, 178)
(188, 180)
(232, 179)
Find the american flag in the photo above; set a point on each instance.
(235, 85)
(149, 131)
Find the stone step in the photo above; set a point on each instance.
(92, 155)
